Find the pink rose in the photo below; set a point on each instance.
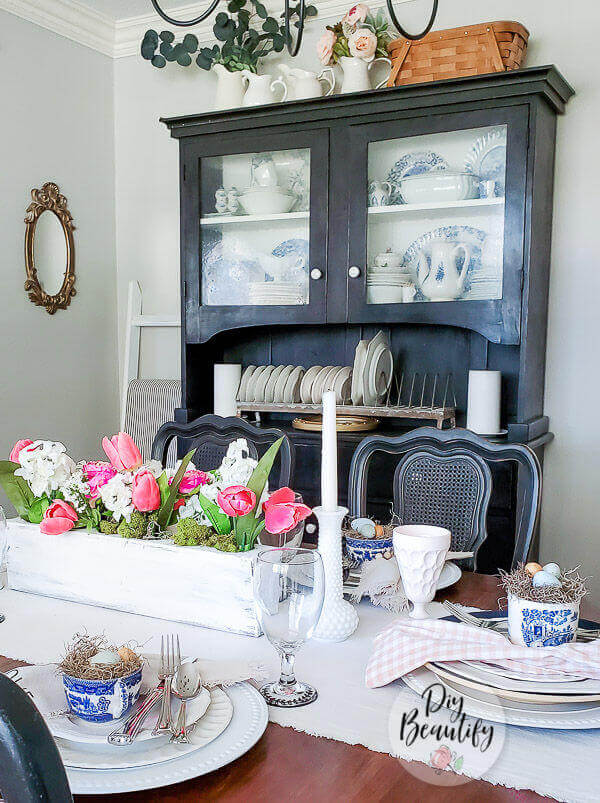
(146, 493)
(440, 758)
(325, 47)
(97, 474)
(237, 500)
(59, 518)
(282, 512)
(357, 14)
(122, 452)
(14, 455)
(363, 44)
(192, 479)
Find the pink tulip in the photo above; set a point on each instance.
(284, 517)
(191, 480)
(279, 497)
(146, 493)
(122, 452)
(237, 500)
(14, 455)
(97, 474)
(59, 518)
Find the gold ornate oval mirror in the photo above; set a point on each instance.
(49, 249)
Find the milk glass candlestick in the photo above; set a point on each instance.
(339, 618)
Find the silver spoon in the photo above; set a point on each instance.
(187, 685)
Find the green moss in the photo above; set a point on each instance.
(190, 533)
(136, 528)
(108, 527)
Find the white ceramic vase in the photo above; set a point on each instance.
(420, 551)
(357, 73)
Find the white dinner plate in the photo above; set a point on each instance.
(281, 383)
(342, 385)
(307, 383)
(467, 676)
(512, 674)
(244, 383)
(450, 574)
(248, 723)
(422, 678)
(291, 392)
(110, 757)
(253, 381)
(360, 354)
(261, 384)
(270, 386)
(381, 370)
(370, 398)
(318, 383)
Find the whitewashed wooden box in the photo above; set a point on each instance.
(196, 585)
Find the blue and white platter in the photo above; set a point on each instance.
(413, 164)
(487, 158)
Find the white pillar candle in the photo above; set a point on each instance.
(483, 407)
(227, 381)
(329, 485)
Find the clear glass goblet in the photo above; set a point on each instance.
(3, 548)
(289, 587)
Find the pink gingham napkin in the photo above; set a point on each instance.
(407, 644)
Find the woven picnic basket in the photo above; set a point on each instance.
(457, 52)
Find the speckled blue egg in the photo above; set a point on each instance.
(544, 579)
(105, 657)
(552, 568)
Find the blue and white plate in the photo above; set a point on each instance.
(413, 164)
(487, 158)
(470, 236)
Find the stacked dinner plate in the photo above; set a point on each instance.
(271, 384)
(373, 372)
(493, 692)
(276, 293)
(384, 285)
(320, 378)
(224, 729)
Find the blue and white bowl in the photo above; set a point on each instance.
(363, 549)
(541, 624)
(102, 700)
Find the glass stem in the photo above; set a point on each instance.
(288, 677)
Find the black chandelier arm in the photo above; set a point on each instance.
(293, 49)
(185, 23)
(401, 30)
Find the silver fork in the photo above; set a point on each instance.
(468, 619)
(170, 661)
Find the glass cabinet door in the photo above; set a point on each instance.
(441, 214)
(261, 247)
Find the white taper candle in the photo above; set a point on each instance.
(329, 484)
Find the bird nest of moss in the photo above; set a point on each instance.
(381, 531)
(519, 583)
(76, 661)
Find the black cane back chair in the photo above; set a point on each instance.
(211, 435)
(31, 770)
(443, 478)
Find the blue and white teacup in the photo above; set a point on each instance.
(102, 700)
(541, 624)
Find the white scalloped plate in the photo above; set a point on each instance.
(248, 723)
(589, 718)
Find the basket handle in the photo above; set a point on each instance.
(404, 33)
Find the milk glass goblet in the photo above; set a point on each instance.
(289, 587)
(420, 550)
(3, 548)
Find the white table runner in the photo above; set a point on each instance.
(559, 764)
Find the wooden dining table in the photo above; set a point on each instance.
(288, 765)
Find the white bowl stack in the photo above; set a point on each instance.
(385, 285)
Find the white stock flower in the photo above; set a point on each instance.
(116, 496)
(193, 510)
(75, 490)
(154, 467)
(237, 465)
(44, 466)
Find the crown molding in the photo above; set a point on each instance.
(69, 19)
(121, 38)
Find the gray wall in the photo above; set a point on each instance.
(58, 373)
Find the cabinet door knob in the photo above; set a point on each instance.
(354, 272)
(316, 274)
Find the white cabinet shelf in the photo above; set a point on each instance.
(394, 209)
(221, 220)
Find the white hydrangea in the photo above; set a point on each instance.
(75, 490)
(237, 465)
(193, 510)
(116, 496)
(45, 466)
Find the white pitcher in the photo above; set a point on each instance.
(261, 89)
(356, 73)
(438, 277)
(230, 88)
(305, 84)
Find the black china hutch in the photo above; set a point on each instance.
(296, 286)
